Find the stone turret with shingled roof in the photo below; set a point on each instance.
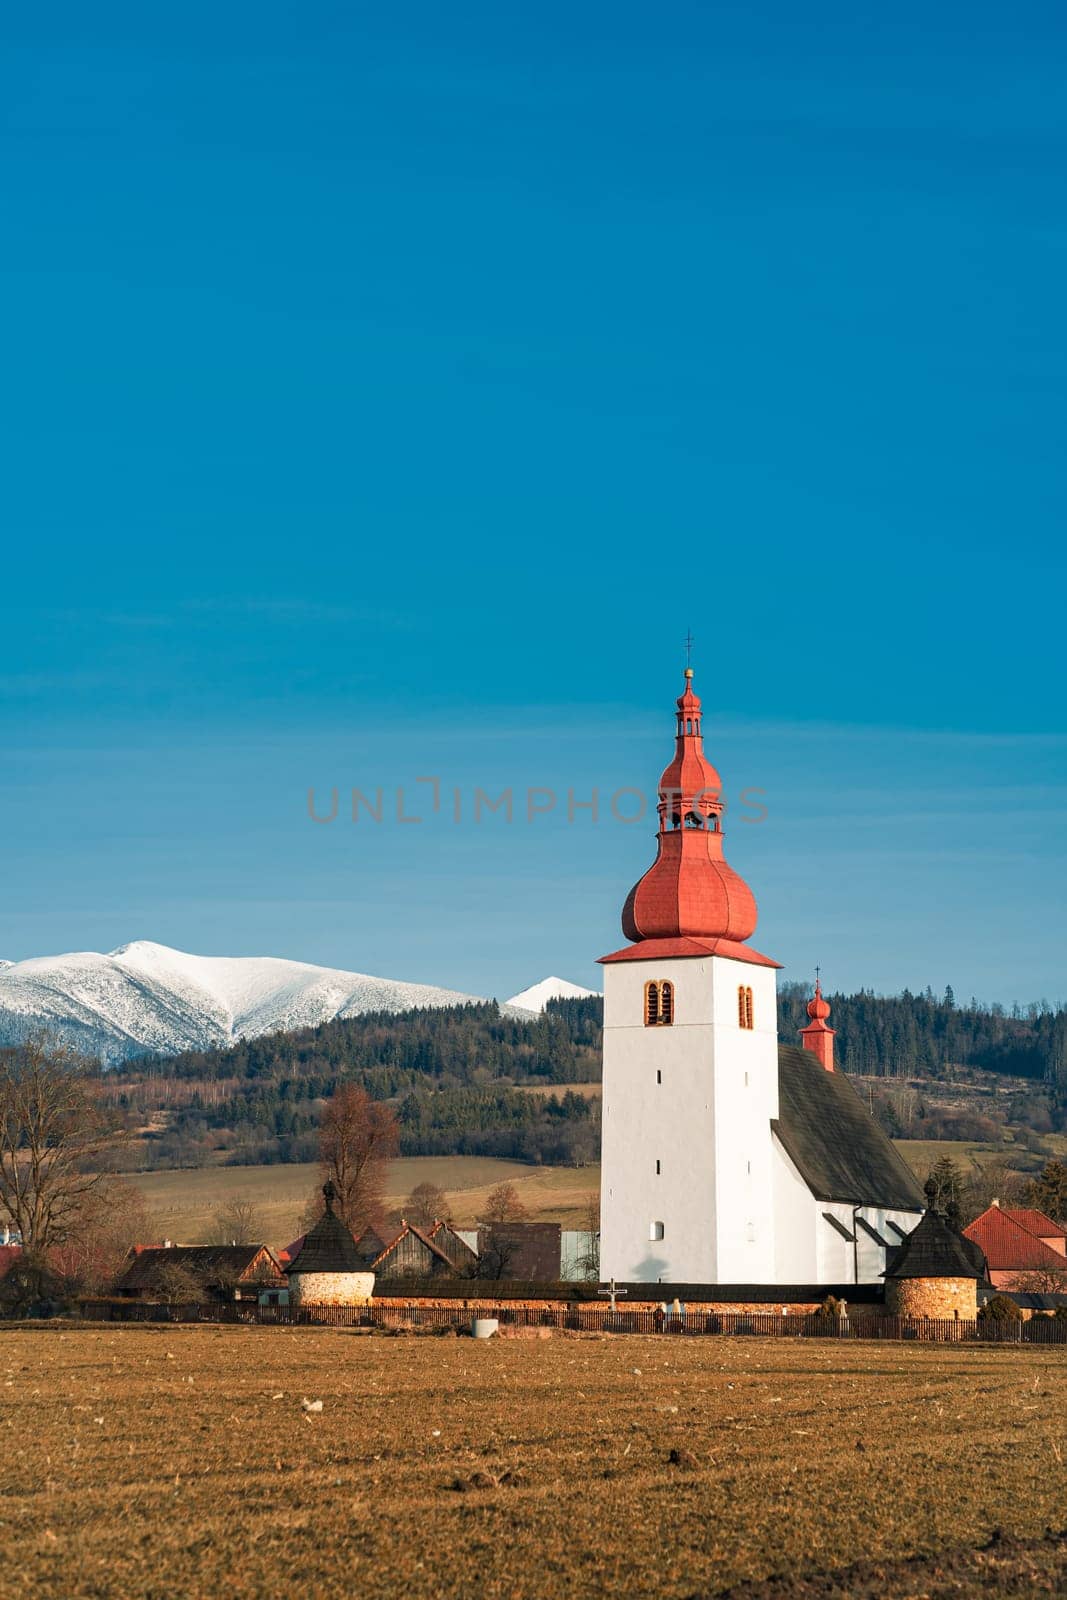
(327, 1270)
(933, 1274)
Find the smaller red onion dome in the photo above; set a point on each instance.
(817, 1037)
(818, 1010)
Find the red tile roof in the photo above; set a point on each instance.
(1035, 1222)
(1009, 1247)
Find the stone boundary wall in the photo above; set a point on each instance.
(477, 1304)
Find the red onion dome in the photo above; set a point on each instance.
(818, 1010)
(690, 890)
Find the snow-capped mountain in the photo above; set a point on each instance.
(537, 997)
(146, 997)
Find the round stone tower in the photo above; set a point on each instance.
(327, 1269)
(933, 1275)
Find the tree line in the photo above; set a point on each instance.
(461, 1077)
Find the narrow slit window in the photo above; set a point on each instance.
(655, 1231)
(745, 1013)
(658, 1169)
(659, 1075)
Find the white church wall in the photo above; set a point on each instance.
(836, 1255)
(746, 1102)
(666, 1092)
(794, 1241)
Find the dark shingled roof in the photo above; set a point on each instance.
(832, 1139)
(933, 1250)
(214, 1263)
(328, 1246)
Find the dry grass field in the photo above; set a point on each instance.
(183, 1203)
(161, 1462)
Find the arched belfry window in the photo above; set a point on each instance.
(659, 1003)
(744, 1008)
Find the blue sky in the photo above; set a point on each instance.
(388, 389)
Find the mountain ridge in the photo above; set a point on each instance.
(146, 998)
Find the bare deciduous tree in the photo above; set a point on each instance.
(427, 1204)
(502, 1204)
(55, 1144)
(112, 1219)
(994, 1180)
(236, 1222)
(589, 1258)
(358, 1136)
(1042, 1280)
(177, 1284)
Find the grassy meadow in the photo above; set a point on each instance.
(183, 1203)
(154, 1462)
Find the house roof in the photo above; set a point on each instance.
(208, 1261)
(933, 1250)
(452, 1242)
(834, 1142)
(1008, 1246)
(329, 1245)
(373, 1248)
(1035, 1222)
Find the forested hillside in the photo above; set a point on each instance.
(464, 1081)
(920, 1036)
(471, 1081)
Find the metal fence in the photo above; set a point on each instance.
(692, 1321)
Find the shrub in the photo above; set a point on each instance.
(1000, 1309)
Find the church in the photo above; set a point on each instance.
(727, 1157)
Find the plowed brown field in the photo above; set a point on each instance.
(174, 1462)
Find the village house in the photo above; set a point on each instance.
(219, 1271)
(528, 1252)
(407, 1252)
(1024, 1249)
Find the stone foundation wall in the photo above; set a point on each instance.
(932, 1297)
(330, 1288)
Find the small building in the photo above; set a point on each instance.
(1025, 1249)
(404, 1252)
(529, 1252)
(328, 1269)
(579, 1255)
(198, 1271)
(460, 1247)
(935, 1273)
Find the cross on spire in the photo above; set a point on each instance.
(689, 647)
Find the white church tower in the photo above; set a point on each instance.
(690, 1054)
